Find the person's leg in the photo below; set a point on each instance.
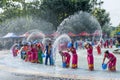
(114, 65)
(46, 59)
(74, 61)
(21, 55)
(90, 60)
(50, 60)
(40, 59)
(68, 61)
(110, 66)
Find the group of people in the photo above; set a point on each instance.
(108, 43)
(66, 57)
(34, 53)
(90, 58)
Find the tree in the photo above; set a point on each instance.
(102, 16)
(96, 3)
(52, 11)
(2, 3)
(64, 8)
(104, 20)
(115, 31)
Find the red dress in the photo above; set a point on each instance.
(34, 55)
(112, 62)
(67, 60)
(90, 58)
(98, 49)
(74, 58)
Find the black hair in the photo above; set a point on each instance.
(107, 52)
(49, 43)
(60, 51)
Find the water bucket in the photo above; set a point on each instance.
(104, 66)
(69, 45)
(63, 64)
(43, 55)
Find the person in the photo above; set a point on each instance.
(112, 60)
(34, 55)
(111, 43)
(40, 59)
(15, 50)
(107, 43)
(90, 57)
(98, 49)
(65, 58)
(74, 57)
(48, 54)
(28, 53)
(23, 51)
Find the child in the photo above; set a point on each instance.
(65, 58)
(90, 57)
(112, 61)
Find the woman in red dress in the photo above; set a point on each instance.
(90, 57)
(112, 61)
(74, 57)
(65, 58)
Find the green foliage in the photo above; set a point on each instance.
(104, 20)
(64, 8)
(102, 16)
(115, 31)
(3, 3)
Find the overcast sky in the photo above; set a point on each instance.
(113, 7)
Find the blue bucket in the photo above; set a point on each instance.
(43, 55)
(64, 65)
(69, 45)
(104, 66)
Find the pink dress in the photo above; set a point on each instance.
(67, 61)
(34, 55)
(107, 43)
(111, 43)
(29, 56)
(112, 62)
(98, 49)
(74, 58)
(14, 51)
(90, 58)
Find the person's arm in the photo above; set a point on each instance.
(103, 60)
(45, 49)
(68, 50)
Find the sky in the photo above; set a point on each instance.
(113, 7)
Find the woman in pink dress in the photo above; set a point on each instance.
(65, 58)
(34, 54)
(98, 49)
(90, 57)
(111, 43)
(112, 61)
(28, 54)
(74, 57)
